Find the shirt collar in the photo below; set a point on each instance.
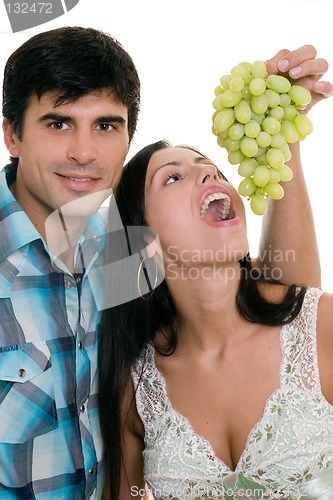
(15, 226)
(17, 230)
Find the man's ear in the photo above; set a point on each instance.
(10, 138)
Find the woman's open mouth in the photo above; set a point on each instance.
(217, 207)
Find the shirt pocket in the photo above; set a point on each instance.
(27, 405)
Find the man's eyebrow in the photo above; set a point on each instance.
(57, 117)
(111, 119)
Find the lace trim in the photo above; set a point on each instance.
(299, 346)
(292, 443)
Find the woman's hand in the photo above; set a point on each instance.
(303, 67)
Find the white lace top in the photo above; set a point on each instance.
(288, 454)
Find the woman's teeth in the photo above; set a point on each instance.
(224, 208)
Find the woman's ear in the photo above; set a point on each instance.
(10, 139)
(153, 248)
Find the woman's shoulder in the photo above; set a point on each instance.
(325, 317)
(273, 292)
(325, 344)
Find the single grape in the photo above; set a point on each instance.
(289, 132)
(220, 141)
(276, 112)
(271, 125)
(275, 158)
(257, 118)
(273, 98)
(286, 174)
(221, 137)
(238, 71)
(284, 148)
(217, 103)
(246, 93)
(235, 157)
(275, 175)
(299, 95)
(242, 112)
(261, 158)
(247, 167)
(248, 146)
(258, 69)
(236, 84)
(274, 190)
(261, 175)
(246, 187)
(257, 86)
(264, 139)
(218, 90)
(290, 112)
(247, 78)
(229, 98)
(285, 100)
(287, 156)
(224, 119)
(252, 129)
(224, 81)
(231, 145)
(246, 65)
(259, 104)
(258, 204)
(236, 131)
(278, 83)
(277, 141)
(303, 125)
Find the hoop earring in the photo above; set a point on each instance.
(145, 271)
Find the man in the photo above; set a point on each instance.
(70, 106)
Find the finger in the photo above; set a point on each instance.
(324, 88)
(296, 57)
(313, 67)
(272, 64)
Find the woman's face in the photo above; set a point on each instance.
(199, 217)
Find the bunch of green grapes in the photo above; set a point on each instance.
(256, 118)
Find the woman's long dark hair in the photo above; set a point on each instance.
(127, 328)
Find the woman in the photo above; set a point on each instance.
(227, 385)
(217, 383)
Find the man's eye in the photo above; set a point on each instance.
(58, 125)
(105, 127)
(173, 178)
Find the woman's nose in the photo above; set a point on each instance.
(208, 172)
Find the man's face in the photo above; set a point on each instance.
(67, 151)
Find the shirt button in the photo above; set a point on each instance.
(82, 408)
(91, 471)
(68, 284)
(78, 279)
(22, 372)
(97, 238)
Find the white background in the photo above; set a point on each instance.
(182, 47)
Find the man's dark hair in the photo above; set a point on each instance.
(72, 61)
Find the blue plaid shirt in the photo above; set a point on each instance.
(50, 443)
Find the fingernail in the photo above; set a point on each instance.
(283, 65)
(319, 87)
(296, 71)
